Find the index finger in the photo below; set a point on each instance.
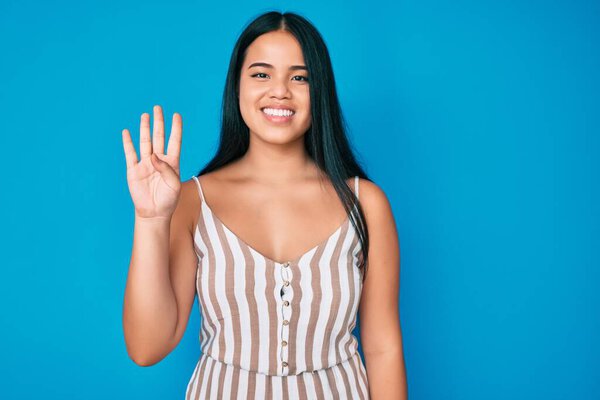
(174, 147)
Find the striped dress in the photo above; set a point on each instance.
(277, 330)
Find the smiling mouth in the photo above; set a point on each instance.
(278, 115)
(278, 112)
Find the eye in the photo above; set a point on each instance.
(303, 78)
(260, 73)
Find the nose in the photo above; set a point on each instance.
(279, 88)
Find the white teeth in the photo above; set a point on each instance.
(278, 112)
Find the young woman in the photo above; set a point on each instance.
(271, 235)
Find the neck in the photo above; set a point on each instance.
(276, 163)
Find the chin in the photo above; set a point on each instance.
(278, 136)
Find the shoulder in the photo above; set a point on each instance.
(372, 197)
(376, 206)
(190, 190)
(188, 207)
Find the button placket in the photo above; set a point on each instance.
(286, 295)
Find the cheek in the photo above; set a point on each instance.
(305, 105)
(249, 96)
(247, 111)
(304, 98)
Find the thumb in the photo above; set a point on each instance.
(165, 170)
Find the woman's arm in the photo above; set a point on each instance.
(160, 287)
(380, 331)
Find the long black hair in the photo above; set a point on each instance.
(325, 141)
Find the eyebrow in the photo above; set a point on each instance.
(266, 65)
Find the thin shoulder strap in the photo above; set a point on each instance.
(199, 187)
(356, 186)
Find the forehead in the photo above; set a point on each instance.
(277, 48)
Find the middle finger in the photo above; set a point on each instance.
(158, 133)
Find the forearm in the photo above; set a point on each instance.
(150, 307)
(387, 376)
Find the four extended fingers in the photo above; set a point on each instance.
(156, 144)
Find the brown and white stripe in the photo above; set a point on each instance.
(274, 330)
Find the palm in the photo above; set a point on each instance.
(154, 192)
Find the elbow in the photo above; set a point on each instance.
(143, 360)
(145, 350)
(140, 356)
(139, 361)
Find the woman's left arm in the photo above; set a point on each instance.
(380, 331)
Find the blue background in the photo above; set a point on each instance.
(479, 120)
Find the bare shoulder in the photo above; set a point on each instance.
(374, 201)
(188, 207)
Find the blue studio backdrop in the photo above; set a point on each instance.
(478, 119)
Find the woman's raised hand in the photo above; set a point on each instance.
(154, 182)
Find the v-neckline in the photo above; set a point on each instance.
(269, 259)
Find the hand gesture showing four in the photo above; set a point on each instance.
(154, 182)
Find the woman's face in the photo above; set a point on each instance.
(274, 96)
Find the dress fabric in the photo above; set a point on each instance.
(277, 330)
